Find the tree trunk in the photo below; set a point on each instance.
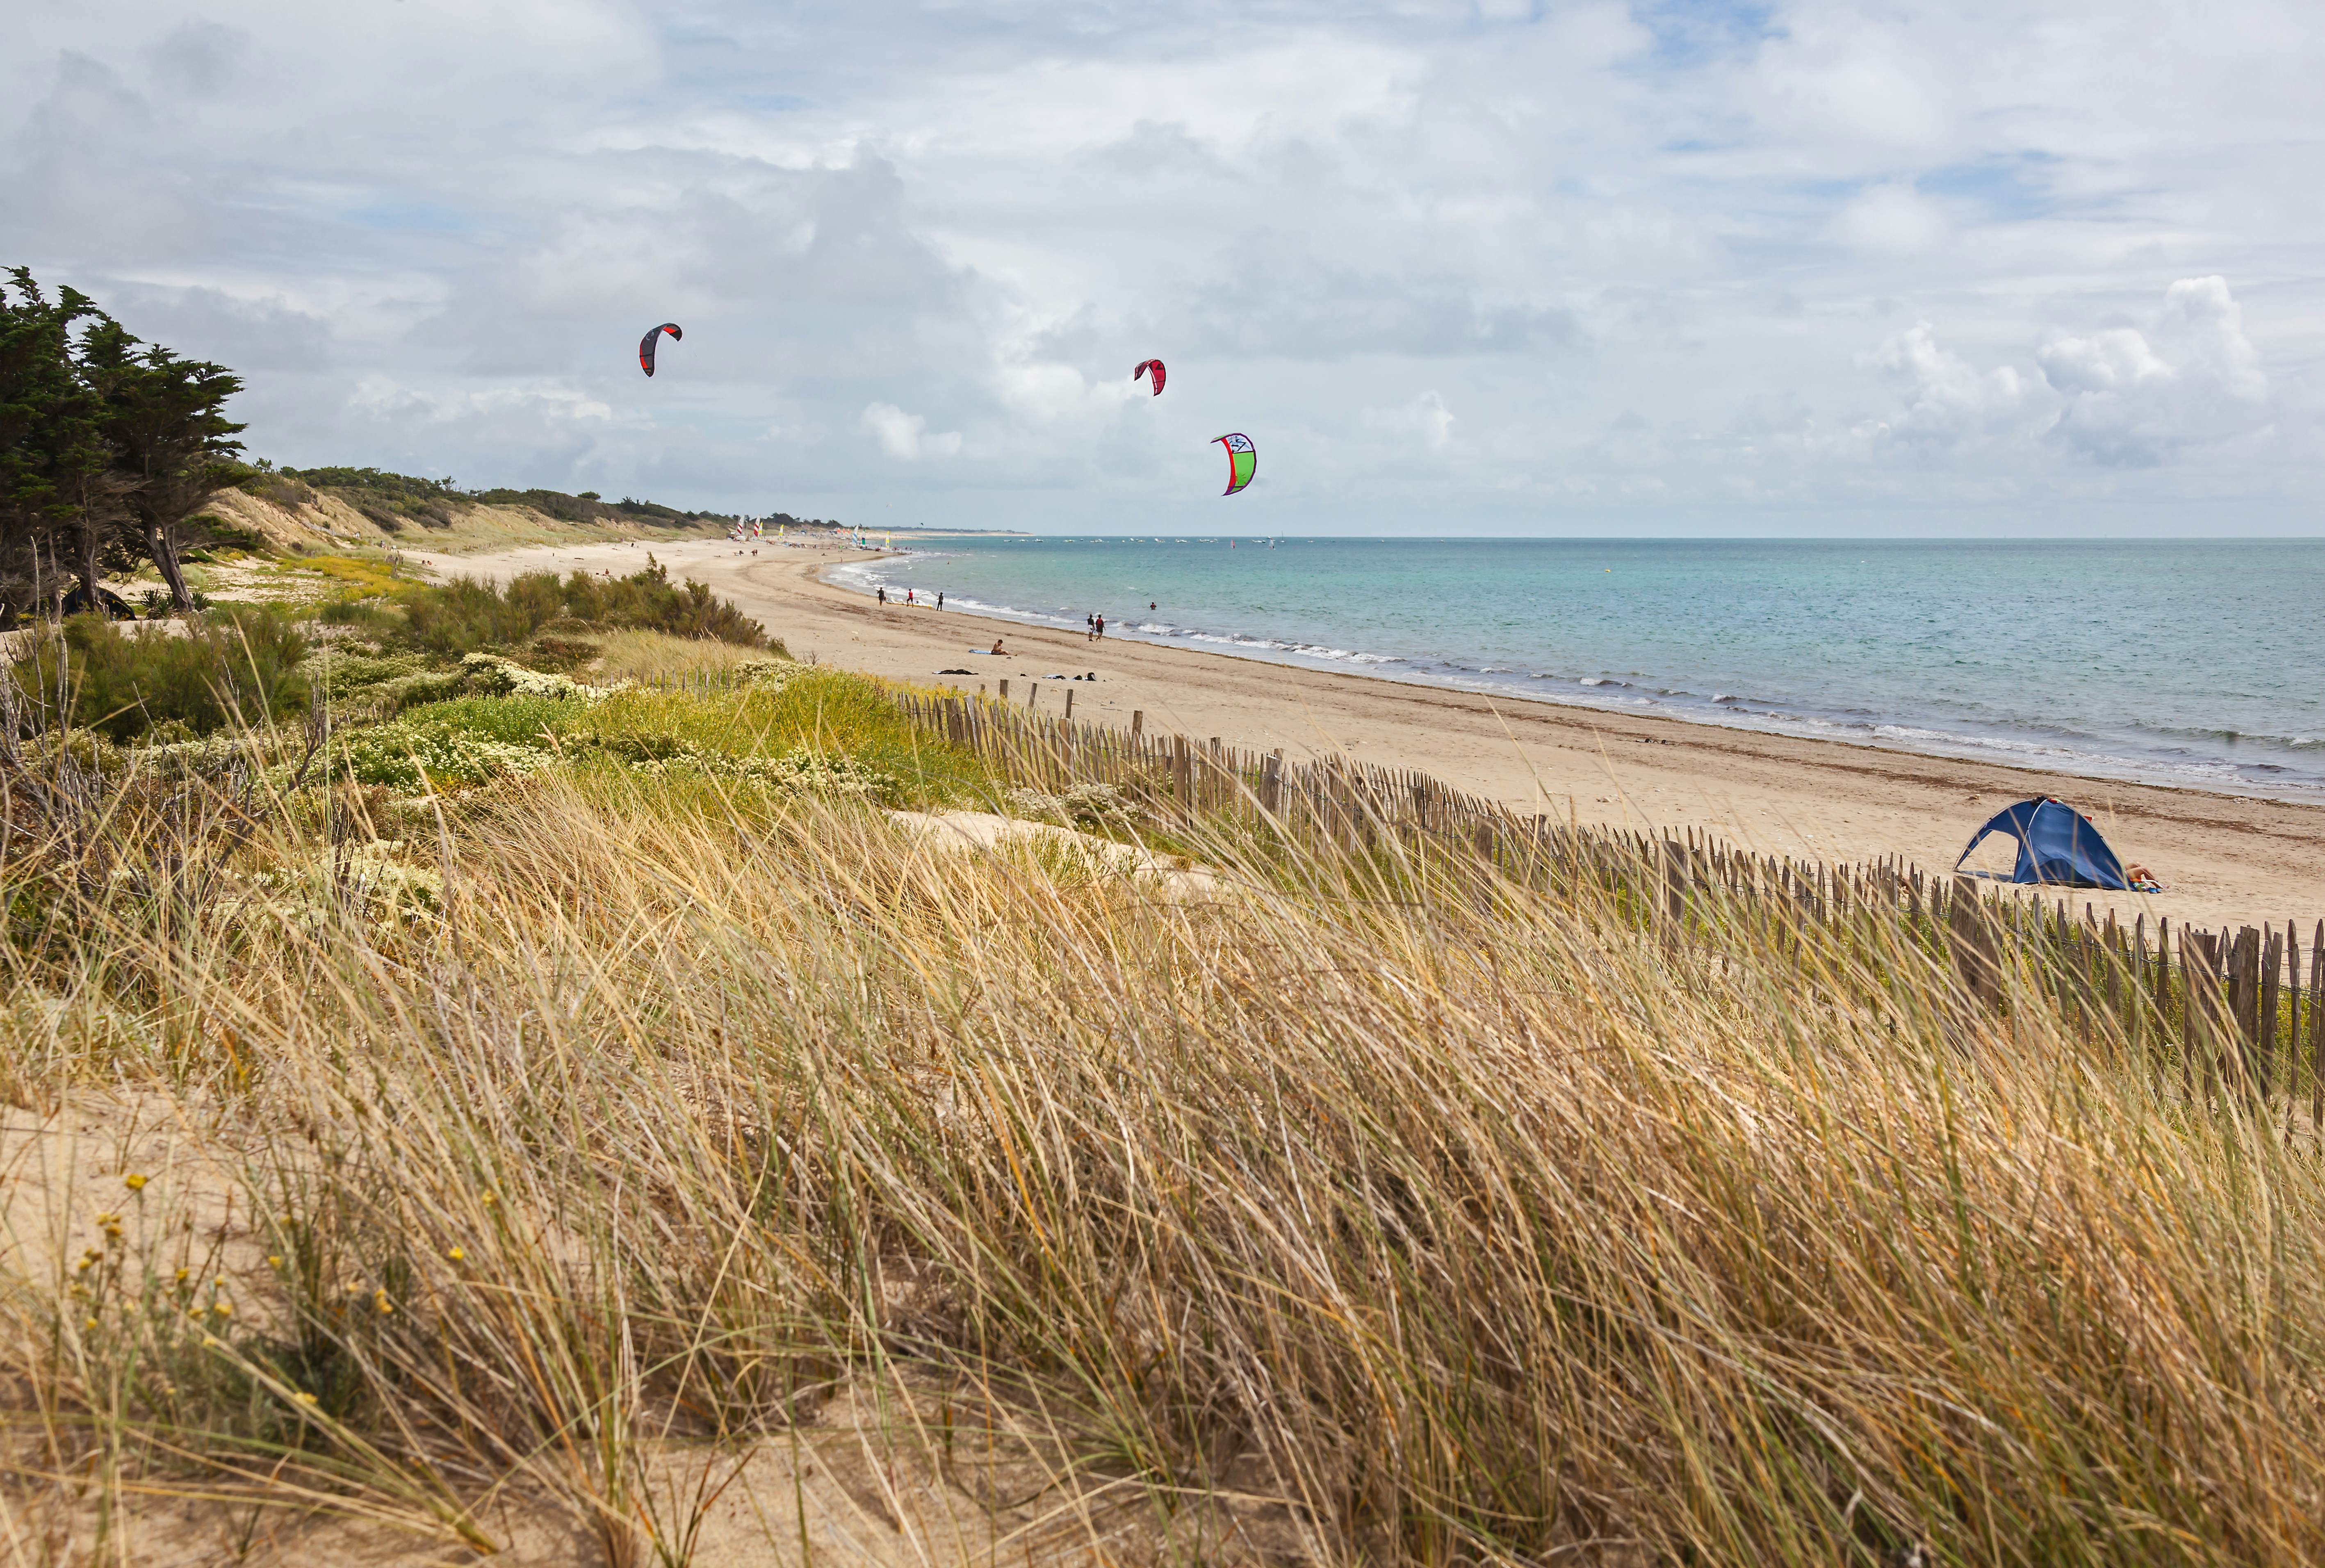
(164, 551)
(84, 543)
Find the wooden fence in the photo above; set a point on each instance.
(2224, 1009)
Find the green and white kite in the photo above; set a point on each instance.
(1243, 460)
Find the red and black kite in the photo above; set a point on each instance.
(647, 344)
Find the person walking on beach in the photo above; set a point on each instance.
(939, 599)
(883, 596)
(1089, 628)
(1101, 628)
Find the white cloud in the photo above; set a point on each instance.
(1425, 420)
(2113, 361)
(1643, 250)
(1945, 399)
(2129, 405)
(903, 435)
(2115, 396)
(1891, 220)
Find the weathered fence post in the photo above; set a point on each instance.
(2244, 971)
(1674, 899)
(2317, 1030)
(1970, 940)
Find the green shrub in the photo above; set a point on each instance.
(373, 616)
(280, 487)
(464, 615)
(211, 532)
(511, 721)
(647, 601)
(342, 675)
(467, 741)
(554, 504)
(238, 663)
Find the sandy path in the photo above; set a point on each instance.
(2223, 858)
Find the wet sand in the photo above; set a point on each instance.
(2223, 859)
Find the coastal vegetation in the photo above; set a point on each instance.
(115, 454)
(108, 449)
(536, 1070)
(479, 1102)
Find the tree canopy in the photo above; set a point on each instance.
(109, 447)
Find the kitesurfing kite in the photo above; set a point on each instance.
(1143, 366)
(647, 344)
(1243, 460)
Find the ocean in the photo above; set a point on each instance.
(2172, 661)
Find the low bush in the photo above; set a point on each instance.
(237, 663)
(554, 504)
(637, 655)
(281, 489)
(465, 616)
(212, 532)
(465, 742)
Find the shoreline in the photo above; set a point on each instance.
(2091, 768)
(2222, 856)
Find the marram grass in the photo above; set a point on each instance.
(1420, 1217)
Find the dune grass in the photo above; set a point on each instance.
(650, 655)
(1373, 1210)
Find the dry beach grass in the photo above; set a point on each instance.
(642, 1168)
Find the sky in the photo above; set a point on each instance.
(2035, 268)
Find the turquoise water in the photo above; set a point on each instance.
(2185, 662)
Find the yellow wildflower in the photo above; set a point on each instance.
(456, 1255)
(380, 1303)
(133, 1182)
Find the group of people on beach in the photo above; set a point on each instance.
(1095, 628)
(913, 599)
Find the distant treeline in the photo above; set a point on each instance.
(395, 502)
(109, 446)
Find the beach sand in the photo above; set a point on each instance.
(2223, 859)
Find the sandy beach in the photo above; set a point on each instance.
(2223, 859)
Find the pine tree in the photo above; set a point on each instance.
(172, 446)
(54, 460)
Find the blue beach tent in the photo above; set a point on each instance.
(2056, 844)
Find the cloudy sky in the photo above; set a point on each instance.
(2042, 266)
